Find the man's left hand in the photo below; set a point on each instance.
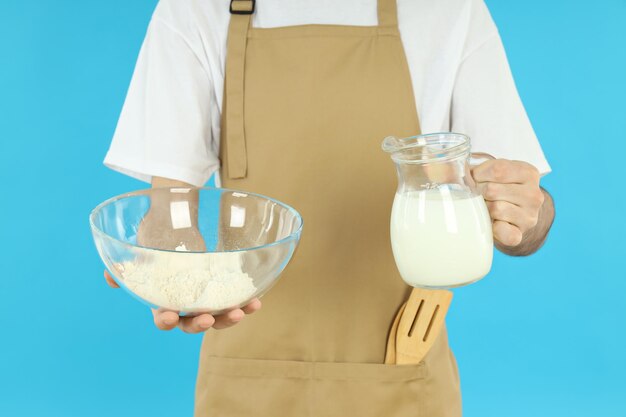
(513, 196)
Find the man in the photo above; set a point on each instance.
(291, 99)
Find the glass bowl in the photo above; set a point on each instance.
(195, 250)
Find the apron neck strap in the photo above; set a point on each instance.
(241, 13)
(387, 13)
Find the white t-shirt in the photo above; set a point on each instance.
(170, 122)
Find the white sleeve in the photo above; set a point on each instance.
(165, 126)
(486, 105)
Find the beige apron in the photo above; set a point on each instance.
(318, 101)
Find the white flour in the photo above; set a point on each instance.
(189, 282)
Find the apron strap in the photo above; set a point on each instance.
(387, 13)
(241, 13)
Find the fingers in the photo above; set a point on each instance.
(506, 233)
(523, 195)
(229, 319)
(513, 196)
(168, 320)
(197, 324)
(506, 172)
(109, 279)
(165, 320)
(204, 322)
(504, 211)
(254, 305)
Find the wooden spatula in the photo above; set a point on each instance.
(390, 354)
(417, 326)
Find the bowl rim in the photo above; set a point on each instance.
(292, 236)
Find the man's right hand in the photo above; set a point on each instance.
(168, 320)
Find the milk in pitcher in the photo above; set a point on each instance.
(441, 237)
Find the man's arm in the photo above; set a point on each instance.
(521, 211)
(156, 229)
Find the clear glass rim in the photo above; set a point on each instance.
(292, 236)
(459, 144)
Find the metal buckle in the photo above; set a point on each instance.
(242, 11)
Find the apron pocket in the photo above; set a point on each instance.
(271, 388)
(369, 390)
(253, 388)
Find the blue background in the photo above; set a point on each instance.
(541, 336)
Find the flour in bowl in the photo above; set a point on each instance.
(189, 282)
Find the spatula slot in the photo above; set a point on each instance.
(432, 321)
(417, 314)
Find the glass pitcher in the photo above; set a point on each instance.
(441, 232)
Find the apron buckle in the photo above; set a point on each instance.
(244, 6)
